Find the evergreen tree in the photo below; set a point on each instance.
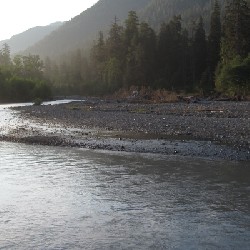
(200, 51)
(75, 69)
(18, 68)
(236, 35)
(5, 60)
(214, 38)
(114, 43)
(170, 54)
(98, 59)
(131, 30)
(131, 34)
(32, 67)
(146, 54)
(234, 77)
(115, 56)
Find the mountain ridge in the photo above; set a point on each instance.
(77, 31)
(81, 30)
(20, 42)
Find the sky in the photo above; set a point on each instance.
(20, 15)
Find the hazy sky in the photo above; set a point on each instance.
(19, 15)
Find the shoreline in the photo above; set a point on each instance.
(214, 130)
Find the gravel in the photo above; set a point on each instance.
(135, 126)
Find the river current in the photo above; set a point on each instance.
(65, 198)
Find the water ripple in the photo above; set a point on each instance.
(55, 198)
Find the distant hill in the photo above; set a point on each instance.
(29, 37)
(81, 30)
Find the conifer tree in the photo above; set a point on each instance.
(170, 54)
(131, 33)
(115, 56)
(146, 54)
(5, 59)
(98, 59)
(214, 38)
(131, 29)
(114, 43)
(236, 35)
(200, 51)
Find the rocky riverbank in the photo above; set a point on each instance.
(204, 129)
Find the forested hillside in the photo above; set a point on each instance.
(133, 53)
(81, 30)
(173, 58)
(190, 10)
(22, 41)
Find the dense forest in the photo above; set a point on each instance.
(134, 54)
(22, 79)
(173, 58)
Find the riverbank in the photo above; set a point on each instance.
(216, 130)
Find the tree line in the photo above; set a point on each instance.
(133, 54)
(22, 78)
(173, 58)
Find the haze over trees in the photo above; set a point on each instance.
(200, 58)
(173, 58)
(21, 79)
(81, 30)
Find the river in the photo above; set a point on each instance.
(65, 198)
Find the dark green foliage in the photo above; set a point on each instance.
(131, 36)
(200, 51)
(133, 54)
(38, 102)
(146, 55)
(19, 89)
(214, 39)
(171, 55)
(158, 11)
(21, 80)
(234, 77)
(233, 74)
(28, 67)
(114, 43)
(5, 61)
(236, 35)
(23, 90)
(41, 90)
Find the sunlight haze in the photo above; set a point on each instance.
(18, 16)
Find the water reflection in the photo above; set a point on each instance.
(54, 198)
(10, 120)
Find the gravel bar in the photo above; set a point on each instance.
(213, 129)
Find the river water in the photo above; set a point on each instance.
(64, 198)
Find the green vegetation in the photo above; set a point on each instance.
(233, 74)
(234, 77)
(174, 59)
(21, 79)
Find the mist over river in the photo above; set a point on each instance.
(64, 198)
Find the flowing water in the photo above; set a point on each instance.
(64, 198)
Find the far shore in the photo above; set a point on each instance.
(208, 129)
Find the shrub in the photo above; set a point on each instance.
(37, 102)
(234, 78)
